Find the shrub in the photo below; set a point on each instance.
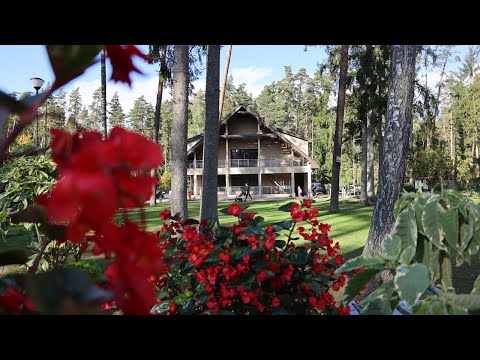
(430, 231)
(247, 269)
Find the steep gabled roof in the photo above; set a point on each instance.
(278, 132)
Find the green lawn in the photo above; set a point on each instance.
(349, 227)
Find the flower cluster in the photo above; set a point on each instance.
(97, 177)
(246, 269)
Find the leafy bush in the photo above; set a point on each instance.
(433, 165)
(430, 231)
(247, 269)
(89, 266)
(23, 179)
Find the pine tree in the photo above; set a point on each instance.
(95, 121)
(197, 111)
(117, 116)
(75, 105)
(137, 115)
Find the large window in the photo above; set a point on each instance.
(244, 154)
(244, 158)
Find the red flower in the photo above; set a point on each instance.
(165, 214)
(234, 209)
(275, 302)
(269, 243)
(312, 213)
(249, 216)
(11, 300)
(307, 203)
(172, 308)
(224, 257)
(324, 228)
(212, 304)
(270, 230)
(262, 276)
(297, 214)
(121, 59)
(343, 310)
(339, 260)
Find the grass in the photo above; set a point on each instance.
(349, 227)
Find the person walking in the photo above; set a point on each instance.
(299, 191)
(247, 192)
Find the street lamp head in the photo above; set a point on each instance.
(37, 83)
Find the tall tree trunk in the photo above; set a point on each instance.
(337, 146)
(158, 106)
(363, 177)
(437, 103)
(224, 84)
(397, 134)
(410, 157)
(179, 131)
(209, 202)
(380, 141)
(370, 160)
(452, 141)
(45, 129)
(104, 93)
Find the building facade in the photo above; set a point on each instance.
(252, 152)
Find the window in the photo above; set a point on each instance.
(244, 158)
(244, 154)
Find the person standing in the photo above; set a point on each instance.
(299, 191)
(247, 192)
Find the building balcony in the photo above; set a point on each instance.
(250, 163)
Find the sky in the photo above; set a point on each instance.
(254, 65)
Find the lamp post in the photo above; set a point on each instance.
(37, 84)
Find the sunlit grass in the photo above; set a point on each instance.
(349, 227)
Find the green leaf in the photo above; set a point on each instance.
(299, 256)
(315, 287)
(386, 286)
(280, 244)
(192, 222)
(259, 219)
(411, 281)
(466, 233)
(419, 206)
(161, 308)
(470, 302)
(375, 262)
(70, 61)
(406, 227)
(378, 306)
(356, 283)
(407, 255)
(392, 245)
(254, 230)
(474, 244)
(449, 221)
(446, 269)
(476, 286)
(287, 206)
(285, 225)
(431, 222)
(402, 202)
(14, 256)
(223, 232)
(245, 250)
